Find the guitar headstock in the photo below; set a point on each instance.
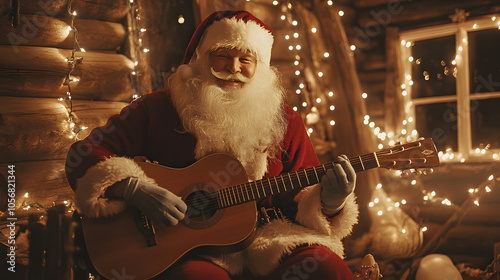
(418, 154)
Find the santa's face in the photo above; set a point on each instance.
(232, 68)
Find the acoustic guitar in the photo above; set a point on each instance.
(221, 209)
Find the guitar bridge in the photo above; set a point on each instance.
(146, 228)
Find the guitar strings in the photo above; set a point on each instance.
(224, 198)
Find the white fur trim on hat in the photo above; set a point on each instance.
(89, 191)
(233, 33)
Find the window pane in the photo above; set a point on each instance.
(485, 126)
(484, 58)
(438, 121)
(432, 68)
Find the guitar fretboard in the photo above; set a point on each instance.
(301, 178)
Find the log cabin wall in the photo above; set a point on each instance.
(35, 43)
(374, 27)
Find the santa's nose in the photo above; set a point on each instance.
(234, 66)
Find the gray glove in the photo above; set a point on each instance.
(155, 202)
(336, 185)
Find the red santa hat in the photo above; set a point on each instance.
(230, 29)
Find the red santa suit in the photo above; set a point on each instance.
(151, 127)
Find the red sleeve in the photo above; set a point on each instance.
(297, 153)
(123, 135)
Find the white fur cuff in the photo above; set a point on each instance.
(89, 189)
(310, 213)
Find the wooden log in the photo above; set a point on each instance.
(360, 4)
(35, 129)
(52, 32)
(396, 13)
(107, 10)
(486, 214)
(392, 95)
(44, 181)
(41, 72)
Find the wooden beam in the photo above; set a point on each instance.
(361, 4)
(107, 10)
(92, 34)
(397, 13)
(41, 72)
(36, 129)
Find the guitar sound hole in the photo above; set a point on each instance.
(202, 206)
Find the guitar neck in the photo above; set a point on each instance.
(302, 178)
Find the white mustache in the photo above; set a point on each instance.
(226, 76)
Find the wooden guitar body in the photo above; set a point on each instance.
(116, 245)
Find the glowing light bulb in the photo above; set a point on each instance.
(364, 95)
(332, 107)
(332, 122)
(180, 19)
(341, 13)
(353, 47)
(314, 30)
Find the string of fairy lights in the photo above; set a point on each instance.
(408, 133)
(137, 33)
(72, 62)
(306, 100)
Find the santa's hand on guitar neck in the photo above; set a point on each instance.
(336, 185)
(155, 202)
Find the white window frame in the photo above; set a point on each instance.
(463, 96)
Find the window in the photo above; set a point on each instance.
(451, 86)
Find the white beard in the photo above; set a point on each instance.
(247, 122)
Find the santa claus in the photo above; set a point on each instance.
(225, 97)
